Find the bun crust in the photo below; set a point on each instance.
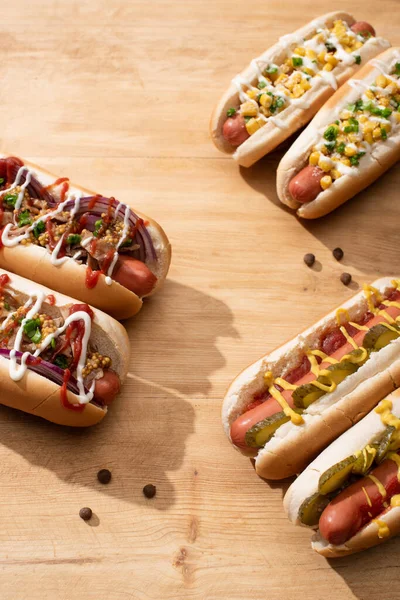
(37, 395)
(371, 167)
(294, 446)
(34, 262)
(270, 136)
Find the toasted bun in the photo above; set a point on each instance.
(39, 396)
(69, 278)
(294, 446)
(367, 431)
(382, 157)
(270, 136)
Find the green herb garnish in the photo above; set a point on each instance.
(353, 127)
(98, 225)
(61, 361)
(397, 68)
(330, 146)
(74, 238)
(357, 59)
(261, 85)
(10, 200)
(32, 328)
(24, 218)
(126, 243)
(330, 47)
(340, 148)
(277, 103)
(354, 160)
(53, 343)
(231, 112)
(6, 306)
(271, 70)
(38, 228)
(383, 134)
(331, 133)
(246, 119)
(297, 61)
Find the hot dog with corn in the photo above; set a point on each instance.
(289, 405)
(353, 140)
(281, 90)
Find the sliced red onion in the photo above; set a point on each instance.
(46, 369)
(35, 188)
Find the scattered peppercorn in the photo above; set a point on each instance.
(85, 513)
(149, 490)
(345, 278)
(338, 253)
(104, 476)
(309, 259)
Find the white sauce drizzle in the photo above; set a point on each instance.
(120, 242)
(54, 255)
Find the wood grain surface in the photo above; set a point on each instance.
(117, 95)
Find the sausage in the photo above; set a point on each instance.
(107, 387)
(305, 185)
(134, 275)
(363, 28)
(350, 511)
(234, 130)
(270, 407)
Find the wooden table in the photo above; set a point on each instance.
(118, 95)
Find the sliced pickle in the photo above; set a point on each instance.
(336, 476)
(312, 508)
(379, 336)
(306, 394)
(338, 372)
(357, 354)
(384, 445)
(262, 432)
(365, 459)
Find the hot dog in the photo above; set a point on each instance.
(281, 90)
(82, 244)
(290, 404)
(351, 492)
(59, 359)
(353, 140)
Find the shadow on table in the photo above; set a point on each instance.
(144, 436)
(363, 572)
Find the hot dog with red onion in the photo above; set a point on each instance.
(283, 89)
(339, 368)
(59, 359)
(353, 140)
(83, 244)
(351, 492)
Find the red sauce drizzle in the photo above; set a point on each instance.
(63, 394)
(49, 229)
(64, 182)
(4, 279)
(51, 299)
(93, 201)
(92, 277)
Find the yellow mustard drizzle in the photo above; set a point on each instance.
(367, 497)
(285, 384)
(369, 291)
(385, 315)
(395, 458)
(342, 311)
(383, 529)
(359, 327)
(349, 338)
(384, 409)
(325, 357)
(391, 303)
(395, 501)
(379, 485)
(289, 412)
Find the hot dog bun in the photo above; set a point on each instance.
(294, 446)
(34, 262)
(382, 157)
(360, 435)
(270, 136)
(39, 396)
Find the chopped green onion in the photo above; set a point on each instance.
(231, 112)
(331, 133)
(126, 243)
(337, 122)
(383, 134)
(53, 343)
(354, 160)
(271, 70)
(340, 148)
(24, 218)
(74, 238)
(32, 328)
(330, 47)
(397, 68)
(261, 85)
(357, 59)
(247, 119)
(6, 306)
(61, 361)
(10, 200)
(38, 228)
(330, 146)
(98, 224)
(297, 61)
(353, 127)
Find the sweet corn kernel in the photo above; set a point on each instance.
(325, 164)
(253, 125)
(331, 60)
(387, 127)
(397, 116)
(328, 67)
(368, 137)
(381, 81)
(296, 77)
(300, 51)
(363, 119)
(309, 72)
(357, 45)
(305, 85)
(321, 56)
(335, 174)
(324, 150)
(348, 49)
(320, 38)
(326, 181)
(314, 158)
(311, 54)
(252, 94)
(376, 134)
(384, 101)
(345, 161)
(353, 137)
(297, 91)
(265, 111)
(288, 62)
(346, 40)
(369, 126)
(350, 151)
(345, 114)
(265, 100)
(282, 77)
(369, 94)
(285, 68)
(248, 109)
